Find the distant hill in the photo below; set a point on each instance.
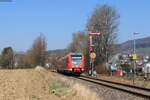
(60, 52)
(141, 45)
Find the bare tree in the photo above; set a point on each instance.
(79, 42)
(20, 61)
(7, 58)
(37, 54)
(104, 20)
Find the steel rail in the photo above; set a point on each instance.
(122, 84)
(109, 84)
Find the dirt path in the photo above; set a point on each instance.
(26, 84)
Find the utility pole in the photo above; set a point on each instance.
(92, 54)
(134, 56)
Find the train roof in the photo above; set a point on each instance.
(70, 54)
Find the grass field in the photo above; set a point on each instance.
(144, 50)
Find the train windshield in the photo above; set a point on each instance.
(76, 60)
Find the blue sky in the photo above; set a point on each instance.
(21, 21)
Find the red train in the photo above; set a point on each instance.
(73, 63)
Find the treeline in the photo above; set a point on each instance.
(36, 55)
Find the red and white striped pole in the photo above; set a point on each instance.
(91, 34)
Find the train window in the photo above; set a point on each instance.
(76, 56)
(76, 60)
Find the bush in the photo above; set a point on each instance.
(101, 69)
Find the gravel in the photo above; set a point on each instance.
(107, 93)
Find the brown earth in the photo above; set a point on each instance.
(125, 80)
(26, 84)
(114, 78)
(37, 84)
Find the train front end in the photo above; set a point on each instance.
(77, 63)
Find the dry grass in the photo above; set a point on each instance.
(24, 84)
(78, 91)
(71, 90)
(83, 93)
(101, 69)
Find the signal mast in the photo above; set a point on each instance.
(92, 54)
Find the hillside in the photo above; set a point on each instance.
(60, 52)
(141, 45)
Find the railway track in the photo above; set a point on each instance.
(131, 89)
